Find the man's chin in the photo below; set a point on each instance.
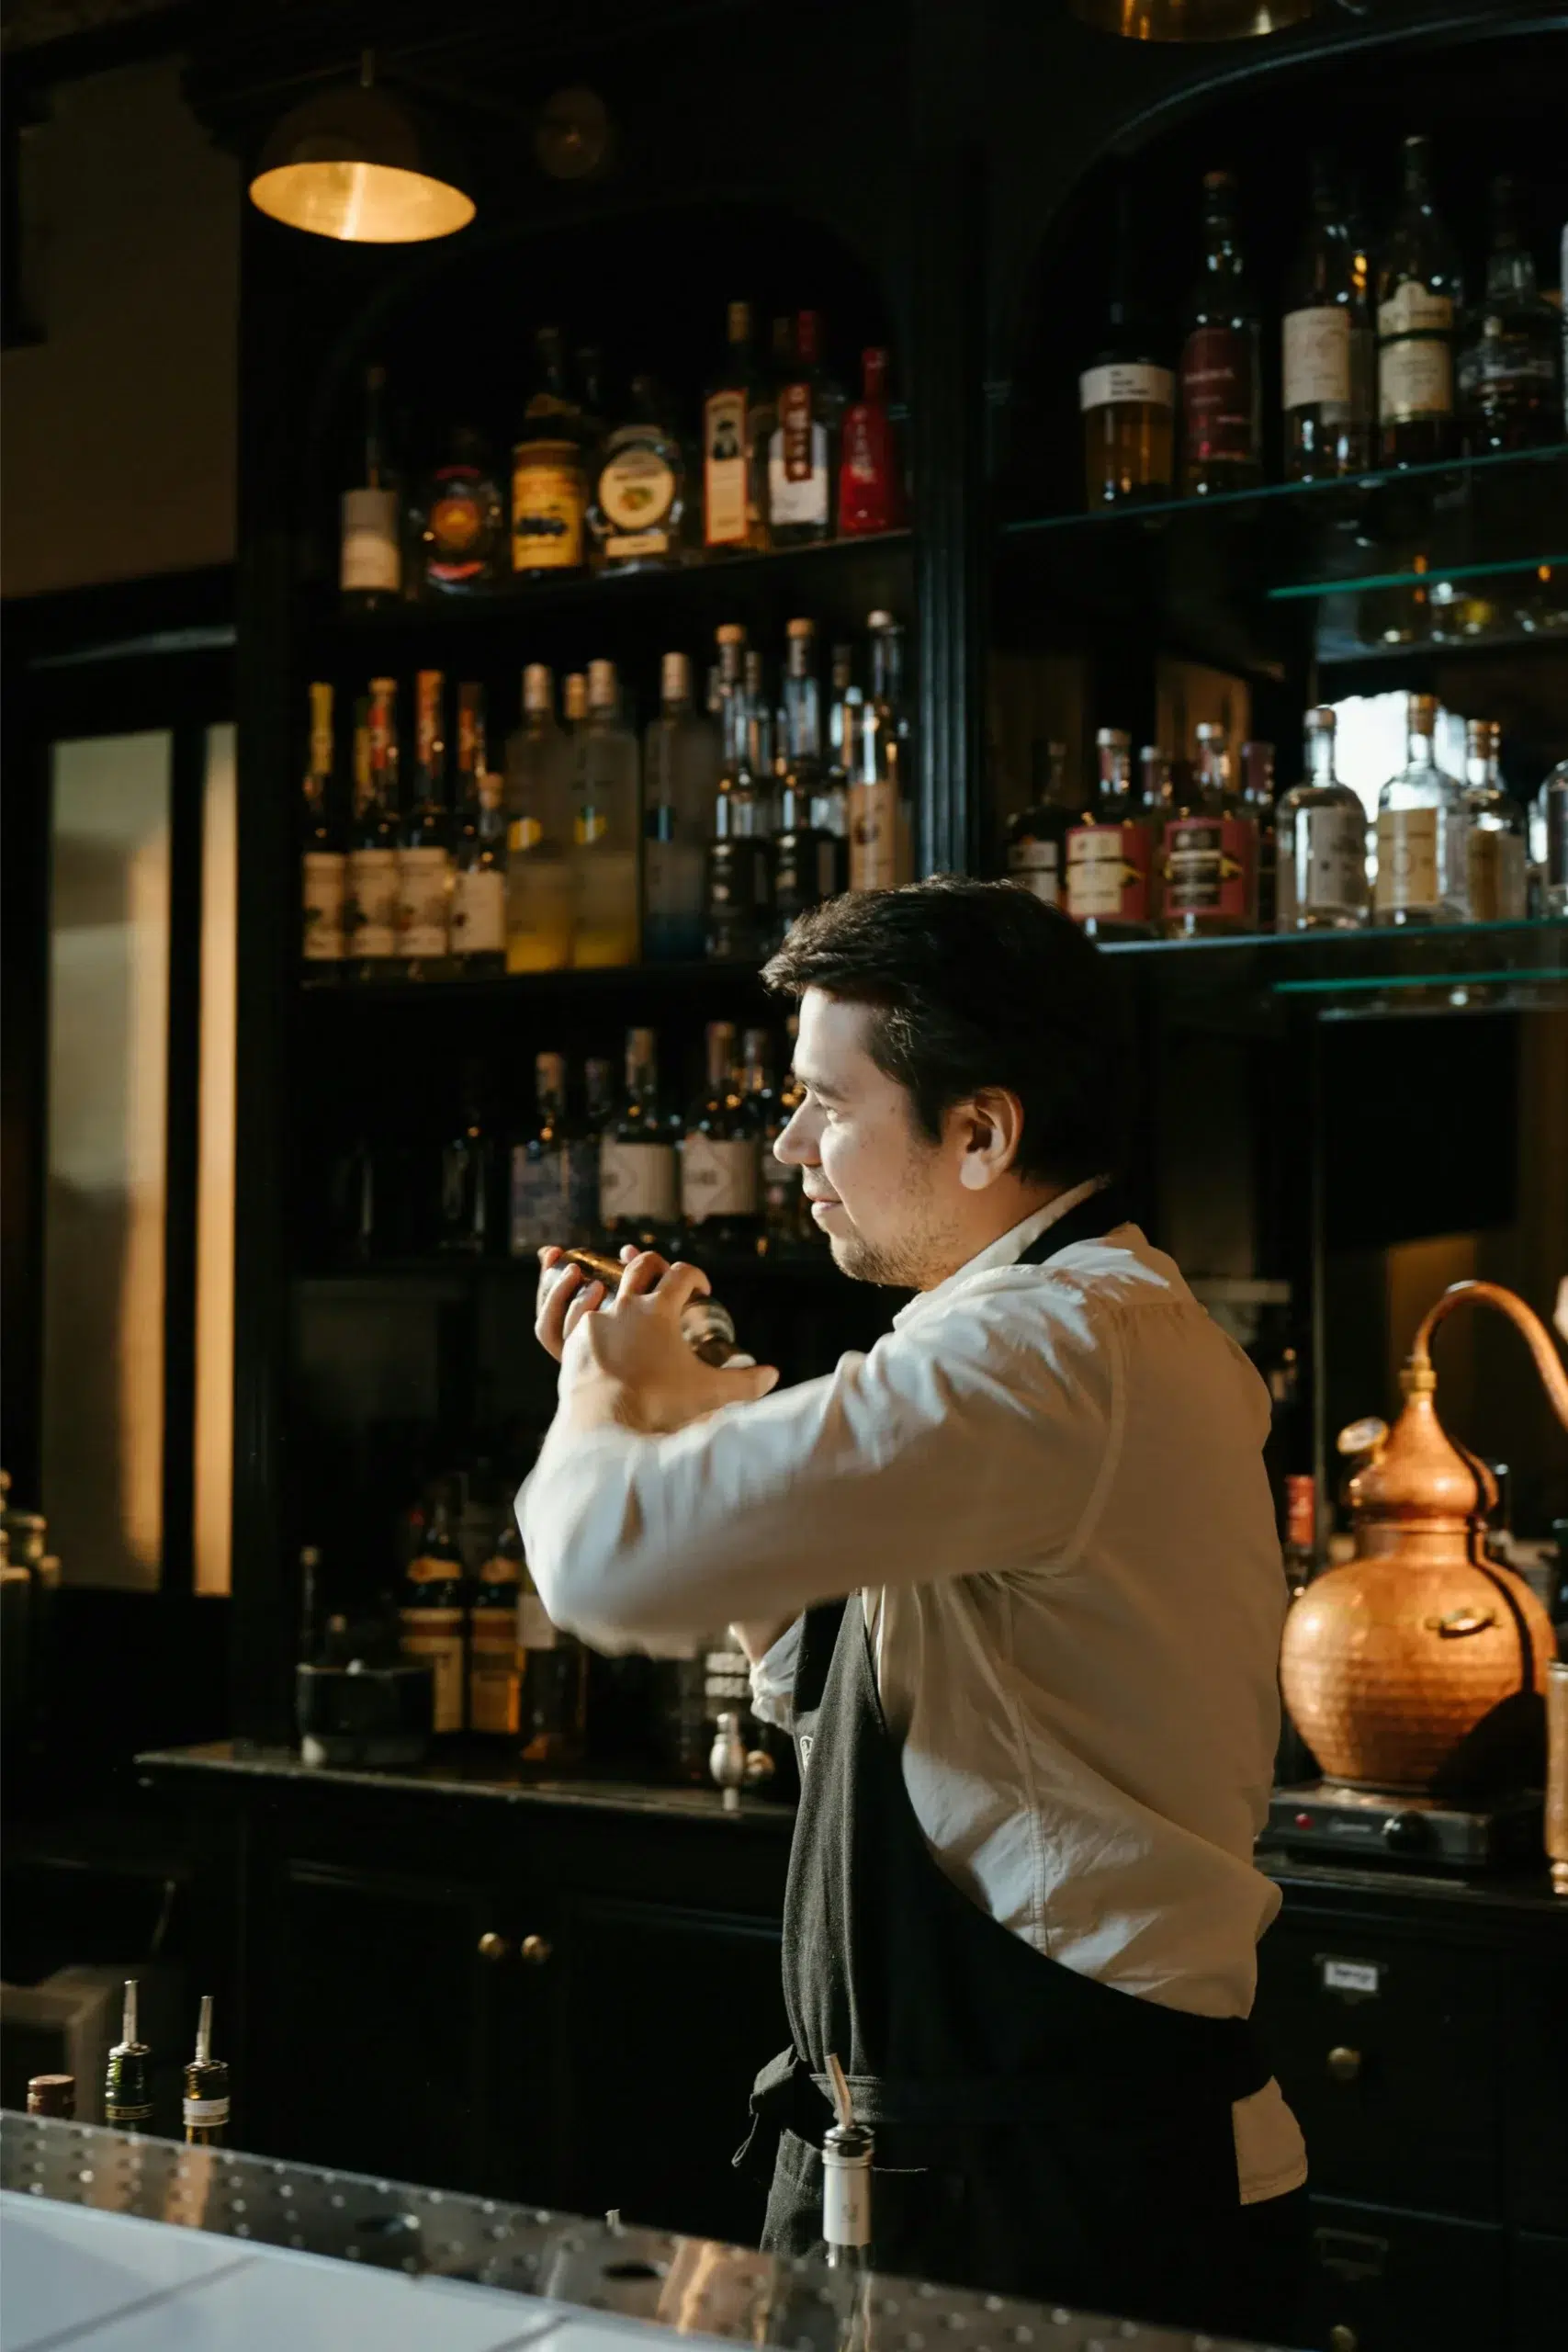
(862, 1262)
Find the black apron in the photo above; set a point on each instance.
(1037, 2133)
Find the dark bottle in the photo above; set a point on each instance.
(479, 887)
(371, 893)
(370, 568)
(542, 1208)
(831, 810)
(1328, 351)
(803, 445)
(467, 1180)
(1127, 395)
(554, 1665)
(639, 1199)
(1418, 301)
(462, 519)
(1258, 800)
(425, 874)
(205, 2107)
(52, 2094)
(548, 476)
(495, 1676)
(720, 1170)
(1510, 393)
(1034, 850)
(323, 860)
(128, 2085)
(430, 1618)
(1221, 444)
(737, 884)
(782, 1208)
(1209, 851)
(806, 858)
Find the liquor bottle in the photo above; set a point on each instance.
(495, 1675)
(1257, 800)
(1034, 848)
(681, 764)
(732, 518)
(371, 566)
(638, 514)
(806, 858)
(870, 484)
(478, 897)
(760, 743)
(1111, 850)
(467, 1222)
(1418, 298)
(554, 1665)
(1496, 860)
(548, 490)
(779, 1186)
(1421, 829)
(802, 453)
(1209, 851)
(425, 874)
(205, 2107)
(372, 895)
(637, 1196)
(1222, 437)
(607, 821)
(430, 1617)
(542, 1209)
(1127, 395)
(830, 811)
(719, 1203)
(1510, 395)
(879, 821)
(52, 2094)
(324, 863)
(1551, 812)
(1328, 348)
(128, 2085)
(540, 901)
(462, 519)
(735, 885)
(1320, 842)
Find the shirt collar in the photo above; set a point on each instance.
(1008, 1248)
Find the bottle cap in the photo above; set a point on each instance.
(576, 696)
(1322, 721)
(1208, 730)
(601, 684)
(1423, 713)
(731, 633)
(879, 620)
(384, 687)
(1112, 739)
(739, 322)
(538, 688)
(549, 1073)
(800, 628)
(675, 677)
(1483, 735)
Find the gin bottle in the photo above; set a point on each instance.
(1320, 832)
(1421, 833)
(1495, 856)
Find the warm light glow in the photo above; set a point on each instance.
(214, 1434)
(1191, 19)
(364, 204)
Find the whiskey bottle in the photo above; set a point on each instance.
(806, 858)
(802, 453)
(1418, 298)
(1034, 848)
(495, 1674)
(205, 2107)
(1328, 350)
(830, 812)
(1320, 842)
(605, 827)
(431, 1618)
(719, 1203)
(370, 567)
(1209, 851)
(539, 902)
(372, 893)
(870, 486)
(1127, 395)
(732, 518)
(548, 490)
(637, 1196)
(737, 877)
(554, 1667)
(478, 898)
(1111, 850)
(1496, 862)
(462, 519)
(425, 874)
(637, 513)
(680, 764)
(1222, 439)
(1422, 854)
(879, 818)
(1258, 800)
(1510, 393)
(541, 1204)
(128, 2085)
(323, 862)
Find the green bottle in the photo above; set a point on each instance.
(128, 2089)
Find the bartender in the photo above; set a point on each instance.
(1013, 1579)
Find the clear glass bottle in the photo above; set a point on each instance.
(371, 902)
(548, 485)
(1126, 394)
(461, 520)
(733, 519)
(638, 515)
(540, 900)
(638, 1198)
(806, 859)
(1110, 849)
(831, 810)
(1320, 832)
(426, 872)
(1551, 808)
(323, 860)
(736, 889)
(1034, 849)
(802, 446)
(1421, 833)
(1496, 850)
(720, 1204)
(1327, 347)
(478, 897)
(540, 1203)
(606, 824)
(370, 562)
(681, 766)
(880, 822)
(1418, 302)
(1510, 368)
(1210, 852)
(1221, 416)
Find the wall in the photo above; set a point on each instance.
(118, 441)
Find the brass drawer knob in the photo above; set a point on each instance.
(1344, 2065)
(1341, 2339)
(534, 1951)
(493, 1947)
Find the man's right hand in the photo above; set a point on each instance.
(569, 1293)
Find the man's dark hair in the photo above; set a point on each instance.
(975, 984)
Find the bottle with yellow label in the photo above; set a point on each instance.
(430, 1616)
(495, 1674)
(549, 491)
(539, 832)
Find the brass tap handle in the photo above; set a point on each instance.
(493, 1947)
(1548, 1362)
(534, 1951)
(1344, 2065)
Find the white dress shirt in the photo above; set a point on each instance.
(1046, 1482)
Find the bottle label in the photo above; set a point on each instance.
(1324, 869)
(1415, 355)
(1218, 406)
(541, 1203)
(479, 912)
(636, 1181)
(725, 504)
(1037, 866)
(1498, 364)
(370, 906)
(1119, 384)
(1496, 875)
(865, 471)
(535, 1630)
(718, 1179)
(425, 901)
(495, 1694)
(805, 871)
(874, 835)
(1317, 358)
(324, 882)
(1408, 859)
(206, 2113)
(638, 489)
(434, 1636)
(456, 528)
(116, 2113)
(1208, 866)
(371, 560)
(546, 507)
(1108, 873)
(798, 461)
(672, 878)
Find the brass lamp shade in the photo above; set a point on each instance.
(1191, 19)
(356, 165)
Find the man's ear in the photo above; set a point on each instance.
(992, 1133)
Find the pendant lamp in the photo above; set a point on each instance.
(1191, 19)
(360, 163)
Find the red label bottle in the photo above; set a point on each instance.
(868, 472)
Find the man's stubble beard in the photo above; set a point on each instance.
(918, 1260)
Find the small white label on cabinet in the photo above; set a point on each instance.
(1350, 1975)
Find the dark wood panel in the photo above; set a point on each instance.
(1406, 2282)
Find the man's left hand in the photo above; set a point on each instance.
(626, 1362)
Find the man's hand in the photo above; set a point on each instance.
(625, 1361)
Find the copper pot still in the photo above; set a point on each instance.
(1421, 1664)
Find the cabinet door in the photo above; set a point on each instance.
(1404, 2282)
(664, 2016)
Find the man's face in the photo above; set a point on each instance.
(886, 1196)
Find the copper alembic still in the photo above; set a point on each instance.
(1421, 1664)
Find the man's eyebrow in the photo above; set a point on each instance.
(817, 1086)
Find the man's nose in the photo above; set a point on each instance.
(796, 1147)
